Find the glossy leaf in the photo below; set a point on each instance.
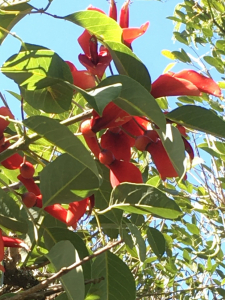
(144, 199)
(63, 254)
(135, 99)
(118, 282)
(11, 15)
(73, 181)
(41, 74)
(103, 27)
(156, 241)
(127, 63)
(10, 216)
(54, 235)
(60, 136)
(197, 117)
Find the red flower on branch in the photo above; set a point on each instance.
(186, 82)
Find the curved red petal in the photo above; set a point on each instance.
(130, 34)
(113, 10)
(76, 211)
(83, 41)
(93, 145)
(203, 83)
(134, 129)
(161, 160)
(5, 111)
(124, 15)
(123, 171)
(30, 185)
(57, 211)
(168, 85)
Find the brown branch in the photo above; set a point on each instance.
(44, 284)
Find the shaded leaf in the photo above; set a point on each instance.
(63, 254)
(138, 241)
(156, 241)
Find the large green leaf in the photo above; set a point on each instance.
(66, 180)
(10, 15)
(55, 235)
(156, 241)
(174, 146)
(144, 199)
(136, 100)
(41, 74)
(117, 281)
(63, 254)
(103, 27)
(198, 118)
(127, 63)
(10, 216)
(60, 136)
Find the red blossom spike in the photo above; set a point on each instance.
(124, 15)
(118, 144)
(123, 171)
(113, 10)
(93, 145)
(168, 85)
(203, 83)
(142, 142)
(152, 134)
(57, 211)
(130, 34)
(112, 116)
(161, 160)
(182, 129)
(86, 128)
(83, 41)
(135, 127)
(39, 201)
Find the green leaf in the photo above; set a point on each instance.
(135, 99)
(10, 15)
(62, 296)
(198, 118)
(127, 63)
(73, 181)
(63, 254)
(102, 96)
(180, 37)
(138, 240)
(156, 241)
(54, 235)
(174, 146)
(193, 228)
(10, 216)
(60, 136)
(117, 281)
(103, 27)
(144, 199)
(41, 74)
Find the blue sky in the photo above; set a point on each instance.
(61, 36)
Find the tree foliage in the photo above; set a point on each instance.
(106, 191)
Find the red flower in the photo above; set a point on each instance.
(123, 171)
(186, 82)
(5, 111)
(1, 251)
(93, 145)
(76, 211)
(136, 127)
(82, 79)
(112, 116)
(57, 211)
(161, 160)
(118, 143)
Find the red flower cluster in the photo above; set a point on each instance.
(34, 197)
